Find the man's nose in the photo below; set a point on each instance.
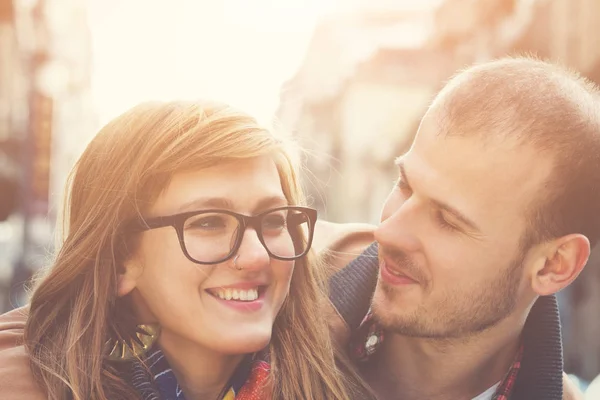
(400, 227)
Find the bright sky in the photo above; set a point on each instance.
(238, 51)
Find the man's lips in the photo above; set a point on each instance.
(391, 274)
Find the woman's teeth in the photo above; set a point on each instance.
(237, 294)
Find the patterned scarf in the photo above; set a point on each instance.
(369, 336)
(249, 382)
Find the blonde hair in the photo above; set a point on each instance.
(120, 173)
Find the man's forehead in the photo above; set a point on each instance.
(437, 129)
(494, 128)
(480, 174)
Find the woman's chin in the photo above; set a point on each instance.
(243, 344)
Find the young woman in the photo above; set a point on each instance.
(185, 269)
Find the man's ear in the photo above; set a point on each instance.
(565, 258)
(127, 278)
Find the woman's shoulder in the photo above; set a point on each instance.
(16, 379)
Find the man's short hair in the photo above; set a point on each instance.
(549, 107)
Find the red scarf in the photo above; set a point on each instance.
(256, 387)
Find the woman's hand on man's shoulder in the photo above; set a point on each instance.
(16, 379)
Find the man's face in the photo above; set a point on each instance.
(451, 254)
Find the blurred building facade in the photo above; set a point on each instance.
(44, 101)
(13, 105)
(369, 76)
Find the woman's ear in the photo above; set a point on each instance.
(127, 278)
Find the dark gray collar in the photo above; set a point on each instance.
(540, 377)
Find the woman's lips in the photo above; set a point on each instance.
(250, 298)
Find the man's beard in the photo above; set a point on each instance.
(459, 314)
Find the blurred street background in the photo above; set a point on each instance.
(349, 79)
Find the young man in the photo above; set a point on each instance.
(495, 209)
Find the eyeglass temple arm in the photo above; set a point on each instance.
(298, 219)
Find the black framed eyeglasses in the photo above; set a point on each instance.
(214, 236)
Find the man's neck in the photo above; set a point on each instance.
(459, 369)
(201, 373)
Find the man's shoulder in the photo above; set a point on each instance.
(16, 379)
(338, 244)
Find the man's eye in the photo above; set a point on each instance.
(442, 222)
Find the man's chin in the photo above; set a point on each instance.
(390, 311)
(387, 295)
(383, 308)
(391, 322)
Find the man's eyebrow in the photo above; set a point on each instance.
(440, 204)
(457, 214)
